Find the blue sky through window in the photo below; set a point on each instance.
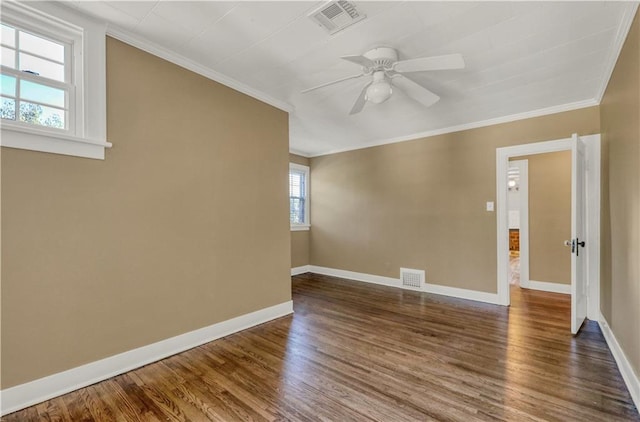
(41, 93)
(8, 85)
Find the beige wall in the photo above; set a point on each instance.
(549, 216)
(421, 204)
(299, 159)
(299, 248)
(299, 239)
(182, 226)
(620, 266)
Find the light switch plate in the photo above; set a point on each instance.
(490, 206)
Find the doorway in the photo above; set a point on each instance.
(585, 292)
(539, 202)
(518, 222)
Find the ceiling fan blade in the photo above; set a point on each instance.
(415, 91)
(332, 82)
(361, 60)
(360, 102)
(450, 61)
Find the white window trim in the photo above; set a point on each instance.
(88, 137)
(305, 170)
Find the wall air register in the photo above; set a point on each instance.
(334, 16)
(412, 279)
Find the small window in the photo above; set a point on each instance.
(299, 197)
(37, 87)
(53, 80)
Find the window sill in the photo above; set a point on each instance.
(56, 143)
(301, 227)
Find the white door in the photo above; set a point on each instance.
(578, 235)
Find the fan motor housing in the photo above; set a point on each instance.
(383, 57)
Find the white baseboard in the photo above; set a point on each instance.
(395, 282)
(300, 270)
(33, 392)
(628, 374)
(462, 293)
(546, 286)
(352, 275)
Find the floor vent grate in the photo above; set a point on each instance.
(412, 279)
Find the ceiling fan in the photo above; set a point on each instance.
(386, 71)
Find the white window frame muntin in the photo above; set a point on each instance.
(69, 101)
(69, 36)
(54, 33)
(307, 222)
(89, 58)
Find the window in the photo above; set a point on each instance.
(299, 197)
(37, 84)
(52, 74)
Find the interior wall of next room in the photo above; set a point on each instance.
(549, 178)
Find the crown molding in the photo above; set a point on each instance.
(298, 152)
(175, 58)
(474, 125)
(618, 43)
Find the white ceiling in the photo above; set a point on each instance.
(522, 58)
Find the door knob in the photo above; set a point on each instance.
(574, 245)
(578, 244)
(571, 243)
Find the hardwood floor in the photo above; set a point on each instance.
(356, 351)
(514, 269)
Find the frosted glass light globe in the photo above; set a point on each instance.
(379, 92)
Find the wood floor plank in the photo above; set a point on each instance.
(134, 401)
(113, 396)
(78, 410)
(53, 410)
(98, 409)
(110, 401)
(362, 352)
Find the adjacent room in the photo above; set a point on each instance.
(463, 195)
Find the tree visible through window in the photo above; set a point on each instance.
(298, 186)
(52, 79)
(35, 76)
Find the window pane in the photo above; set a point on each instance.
(8, 109)
(296, 210)
(41, 115)
(8, 85)
(41, 93)
(8, 57)
(297, 196)
(8, 36)
(42, 67)
(41, 47)
(296, 184)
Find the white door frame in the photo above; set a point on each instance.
(592, 214)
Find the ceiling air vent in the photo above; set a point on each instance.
(334, 16)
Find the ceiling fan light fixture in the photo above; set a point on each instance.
(381, 64)
(380, 90)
